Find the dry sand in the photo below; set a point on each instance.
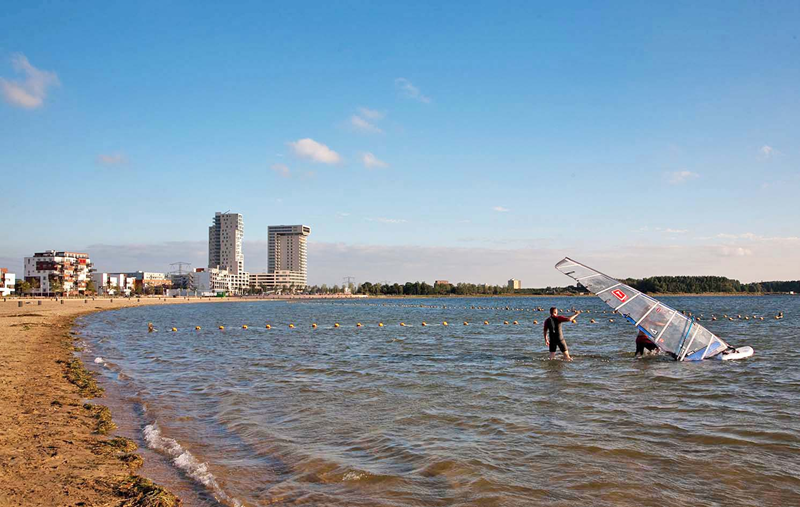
(51, 453)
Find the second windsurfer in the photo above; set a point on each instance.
(552, 327)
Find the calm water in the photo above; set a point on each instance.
(455, 415)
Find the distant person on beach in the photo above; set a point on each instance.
(553, 336)
(643, 342)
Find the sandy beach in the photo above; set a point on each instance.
(56, 439)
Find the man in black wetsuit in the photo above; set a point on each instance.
(552, 327)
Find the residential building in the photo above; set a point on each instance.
(146, 279)
(286, 252)
(53, 272)
(7, 281)
(225, 243)
(441, 282)
(283, 279)
(114, 284)
(514, 284)
(225, 257)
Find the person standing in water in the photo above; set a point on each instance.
(643, 342)
(552, 328)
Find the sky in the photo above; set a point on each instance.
(467, 141)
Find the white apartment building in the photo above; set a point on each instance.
(7, 281)
(53, 272)
(283, 279)
(225, 243)
(287, 253)
(225, 256)
(514, 284)
(114, 284)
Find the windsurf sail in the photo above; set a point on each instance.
(672, 331)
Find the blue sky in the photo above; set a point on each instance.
(475, 141)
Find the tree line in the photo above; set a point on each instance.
(654, 284)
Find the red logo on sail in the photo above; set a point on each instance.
(619, 295)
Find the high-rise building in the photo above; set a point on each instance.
(514, 284)
(225, 257)
(286, 252)
(53, 272)
(225, 243)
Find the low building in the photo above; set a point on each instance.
(283, 279)
(114, 284)
(514, 284)
(53, 272)
(441, 282)
(227, 282)
(7, 282)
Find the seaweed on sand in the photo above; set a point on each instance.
(83, 378)
(141, 492)
(103, 416)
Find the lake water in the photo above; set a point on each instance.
(450, 415)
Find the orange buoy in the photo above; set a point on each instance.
(515, 323)
(314, 325)
(244, 326)
(424, 324)
(466, 323)
(291, 326)
(197, 328)
(444, 323)
(269, 327)
(485, 322)
(174, 329)
(505, 322)
(222, 327)
(403, 324)
(358, 325)
(336, 325)
(380, 324)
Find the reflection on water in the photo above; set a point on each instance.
(458, 415)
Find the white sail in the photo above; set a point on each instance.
(672, 331)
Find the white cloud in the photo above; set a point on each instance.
(31, 92)
(727, 251)
(767, 151)
(410, 91)
(387, 220)
(678, 177)
(362, 125)
(676, 231)
(111, 159)
(342, 214)
(370, 161)
(372, 114)
(281, 169)
(309, 149)
(501, 209)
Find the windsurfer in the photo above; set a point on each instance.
(643, 342)
(552, 327)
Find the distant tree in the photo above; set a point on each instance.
(91, 288)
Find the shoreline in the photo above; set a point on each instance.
(57, 441)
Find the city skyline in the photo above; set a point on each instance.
(468, 142)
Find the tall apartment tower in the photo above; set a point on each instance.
(286, 251)
(225, 243)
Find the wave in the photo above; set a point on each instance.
(186, 461)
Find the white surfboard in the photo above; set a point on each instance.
(737, 353)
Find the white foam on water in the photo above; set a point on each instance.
(186, 461)
(99, 360)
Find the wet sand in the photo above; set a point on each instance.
(52, 447)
